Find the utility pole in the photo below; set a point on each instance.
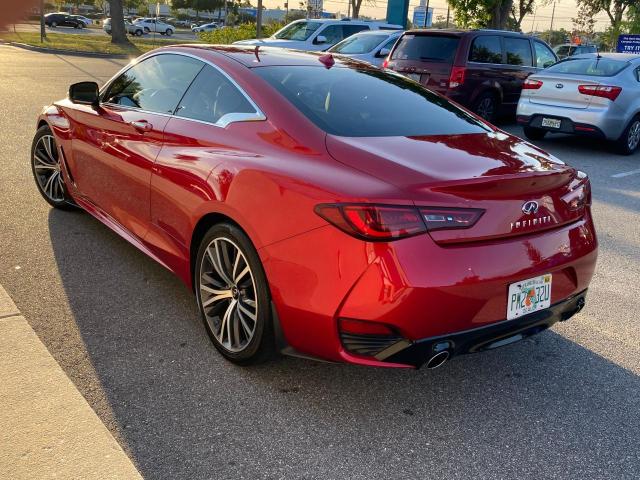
(259, 20)
(553, 14)
(448, 13)
(349, 9)
(426, 14)
(43, 31)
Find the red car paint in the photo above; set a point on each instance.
(157, 188)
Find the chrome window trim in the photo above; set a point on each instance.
(222, 122)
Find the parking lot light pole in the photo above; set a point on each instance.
(259, 20)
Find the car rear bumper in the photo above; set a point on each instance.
(420, 290)
(490, 337)
(598, 122)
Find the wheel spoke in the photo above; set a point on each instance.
(241, 274)
(244, 310)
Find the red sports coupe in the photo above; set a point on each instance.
(321, 207)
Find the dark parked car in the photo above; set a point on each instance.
(54, 20)
(480, 69)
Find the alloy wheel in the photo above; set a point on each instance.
(633, 139)
(228, 294)
(46, 165)
(485, 108)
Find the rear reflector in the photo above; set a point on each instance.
(530, 84)
(360, 327)
(604, 91)
(456, 79)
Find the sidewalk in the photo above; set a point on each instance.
(47, 429)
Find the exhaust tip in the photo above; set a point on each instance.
(438, 359)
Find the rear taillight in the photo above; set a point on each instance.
(390, 222)
(530, 84)
(456, 79)
(579, 195)
(604, 91)
(450, 218)
(385, 64)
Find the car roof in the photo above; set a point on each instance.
(377, 32)
(630, 57)
(347, 21)
(258, 56)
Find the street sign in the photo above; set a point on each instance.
(628, 43)
(419, 17)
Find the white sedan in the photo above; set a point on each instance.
(153, 25)
(207, 27)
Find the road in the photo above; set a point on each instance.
(564, 405)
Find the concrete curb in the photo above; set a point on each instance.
(48, 428)
(76, 53)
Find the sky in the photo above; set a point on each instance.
(565, 11)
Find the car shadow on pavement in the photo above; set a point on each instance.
(544, 408)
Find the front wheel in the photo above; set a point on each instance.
(46, 166)
(169, 32)
(138, 33)
(630, 139)
(533, 133)
(233, 295)
(54, 24)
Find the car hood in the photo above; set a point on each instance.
(493, 171)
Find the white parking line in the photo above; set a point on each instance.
(625, 174)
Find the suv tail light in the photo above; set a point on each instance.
(389, 222)
(604, 91)
(530, 84)
(456, 79)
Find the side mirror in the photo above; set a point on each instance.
(320, 39)
(84, 93)
(383, 52)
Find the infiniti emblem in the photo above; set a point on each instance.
(530, 207)
(559, 85)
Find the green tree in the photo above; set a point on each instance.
(519, 10)
(615, 10)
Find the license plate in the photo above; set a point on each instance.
(529, 296)
(551, 122)
(414, 76)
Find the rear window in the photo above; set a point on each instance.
(594, 66)
(368, 102)
(430, 48)
(359, 44)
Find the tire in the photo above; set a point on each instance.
(533, 133)
(54, 24)
(147, 30)
(46, 169)
(629, 141)
(486, 106)
(239, 323)
(138, 33)
(169, 32)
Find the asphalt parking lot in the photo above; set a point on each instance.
(34, 27)
(565, 404)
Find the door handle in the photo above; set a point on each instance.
(141, 125)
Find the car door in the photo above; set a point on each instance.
(216, 123)
(518, 66)
(485, 65)
(116, 144)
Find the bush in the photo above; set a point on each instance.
(246, 31)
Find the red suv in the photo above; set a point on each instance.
(480, 69)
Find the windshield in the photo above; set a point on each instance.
(431, 48)
(593, 66)
(359, 44)
(368, 102)
(297, 31)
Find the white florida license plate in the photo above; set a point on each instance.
(551, 122)
(529, 296)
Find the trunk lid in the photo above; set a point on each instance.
(560, 91)
(494, 172)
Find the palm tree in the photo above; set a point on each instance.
(118, 32)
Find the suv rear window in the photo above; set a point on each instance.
(594, 66)
(368, 102)
(430, 48)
